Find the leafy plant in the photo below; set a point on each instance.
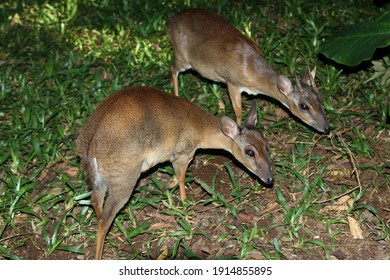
(356, 43)
(382, 71)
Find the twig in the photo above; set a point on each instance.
(352, 159)
(355, 171)
(337, 197)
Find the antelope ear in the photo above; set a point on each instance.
(252, 115)
(309, 76)
(229, 127)
(284, 85)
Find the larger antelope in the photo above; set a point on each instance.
(137, 128)
(207, 43)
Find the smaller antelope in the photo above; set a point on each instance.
(139, 127)
(207, 43)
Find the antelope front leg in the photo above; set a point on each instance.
(235, 97)
(175, 82)
(180, 168)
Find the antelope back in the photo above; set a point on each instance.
(140, 118)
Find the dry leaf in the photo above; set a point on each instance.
(354, 228)
(43, 175)
(335, 208)
(71, 171)
(165, 218)
(342, 204)
(271, 207)
(244, 218)
(163, 253)
(346, 200)
(339, 171)
(55, 190)
(20, 218)
(200, 248)
(157, 226)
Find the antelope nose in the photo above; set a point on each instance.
(327, 129)
(269, 181)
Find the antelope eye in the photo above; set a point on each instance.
(304, 106)
(249, 153)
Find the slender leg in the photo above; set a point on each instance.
(100, 240)
(97, 200)
(180, 171)
(175, 75)
(119, 193)
(235, 97)
(180, 64)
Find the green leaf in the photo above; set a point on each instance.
(366, 206)
(277, 247)
(184, 224)
(281, 200)
(57, 229)
(357, 43)
(188, 252)
(139, 230)
(72, 249)
(175, 249)
(205, 187)
(231, 174)
(322, 245)
(82, 196)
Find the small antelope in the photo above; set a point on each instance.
(139, 127)
(207, 43)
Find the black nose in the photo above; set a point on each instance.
(269, 181)
(327, 129)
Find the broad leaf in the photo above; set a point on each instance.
(357, 43)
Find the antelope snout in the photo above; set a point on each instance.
(269, 181)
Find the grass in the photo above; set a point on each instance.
(59, 60)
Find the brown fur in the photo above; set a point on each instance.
(137, 128)
(207, 43)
